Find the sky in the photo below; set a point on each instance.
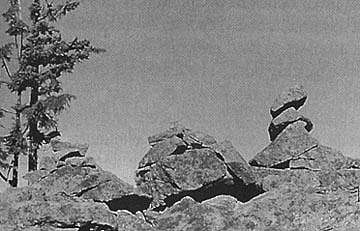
(214, 66)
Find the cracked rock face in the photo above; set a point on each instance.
(287, 117)
(75, 194)
(28, 208)
(168, 172)
(291, 143)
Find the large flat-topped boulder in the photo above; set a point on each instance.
(290, 143)
(289, 116)
(294, 97)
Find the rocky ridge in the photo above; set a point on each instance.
(189, 181)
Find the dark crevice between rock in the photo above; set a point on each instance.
(282, 165)
(55, 223)
(96, 227)
(179, 150)
(70, 155)
(218, 155)
(274, 131)
(232, 187)
(132, 203)
(141, 172)
(197, 146)
(305, 168)
(294, 104)
(256, 164)
(81, 192)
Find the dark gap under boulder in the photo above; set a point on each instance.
(232, 187)
(294, 104)
(96, 227)
(131, 203)
(179, 150)
(70, 155)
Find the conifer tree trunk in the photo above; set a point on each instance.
(33, 133)
(14, 181)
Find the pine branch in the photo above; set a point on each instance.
(3, 177)
(5, 65)
(6, 110)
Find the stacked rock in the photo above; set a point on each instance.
(182, 162)
(292, 146)
(285, 111)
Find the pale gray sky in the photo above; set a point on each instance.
(214, 65)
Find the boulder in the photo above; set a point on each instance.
(279, 209)
(29, 208)
(189, 137)
(64, 150)
(201, 168)
(294, 97)
(289, 116)
(236, 164)
(320, 157)
(191, 215)
(291, 143)
(175, 174)
(162, 149)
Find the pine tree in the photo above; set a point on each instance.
(42, 57)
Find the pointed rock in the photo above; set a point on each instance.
(163, 148)
(235, 162)
(287, 117)
(291, 143)
(294, 97)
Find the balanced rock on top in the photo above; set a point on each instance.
(289, 116)
(294, 97)
(292, 146)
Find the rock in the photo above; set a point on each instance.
(294, 97)
(64, 150)
(291, 143)
(174, 131)
(202, 168)
(289, 116)
(320, 157)
(235, 162)
(285, 209)
(29, 208)
(279, 209)
(87, 182)
(191, 215)
(188, 136)
(174, 141)
(162, 149)
(352, 163)
(57, 211)
(189, 171)
(271, 179)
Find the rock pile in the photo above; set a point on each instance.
(292, 146)
(183, 163)
(189, 181)
(71, 191)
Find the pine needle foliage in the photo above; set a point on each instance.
(42, 56)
